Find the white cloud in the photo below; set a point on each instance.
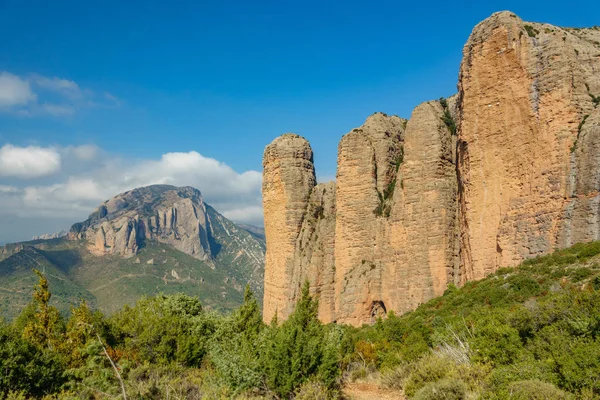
(14, 91)
(36, 95)
(84, 152)
(58, 85)
(89, 176)
(28, 162)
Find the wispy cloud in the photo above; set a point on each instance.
(37, 95)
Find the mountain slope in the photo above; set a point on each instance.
(17, 280)
(153, 239)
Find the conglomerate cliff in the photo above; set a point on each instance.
(506, 170)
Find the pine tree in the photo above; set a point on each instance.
(297, 350)
(46, 327)
(80, 330)
(248, 319)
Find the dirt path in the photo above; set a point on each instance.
(369, 391)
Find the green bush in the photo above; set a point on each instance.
(301, 349)
(496, 343)
(27, 368)
(161, 382)
(536, 390)
(163, 329)
(395, 378)
(502, 377)
(313, 390)
(580, 274)
(445, 389)
(429, 369)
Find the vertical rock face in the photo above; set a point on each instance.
(582, 211)
(288, 180)
(523, 93)
(506, 170)
(422, 229)
(367, 160)
(314, 252)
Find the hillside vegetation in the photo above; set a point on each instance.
(108, 282)
(531, 332)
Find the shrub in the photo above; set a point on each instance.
(446, 389)
(447, 117)
(502, 377)
(394, 378)
(429, 369)
(27, 368)
(163, 329)
(580, 274)
(496, 343)
(536, 390)
(161, 382)
(313, 390)
(531, 31)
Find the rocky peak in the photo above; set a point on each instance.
(173, 215)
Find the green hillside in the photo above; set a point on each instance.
(146, 241)
(108, 282)
(17, 280)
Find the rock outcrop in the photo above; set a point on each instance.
(524, 88)
(368, 161)
(289, 177)
(166, 214)
(506, 170)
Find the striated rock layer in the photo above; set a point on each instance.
(506, 170)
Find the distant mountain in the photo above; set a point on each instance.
(47, 236)
(255, 230)
(153, 239)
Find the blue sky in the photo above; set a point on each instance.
(139, 79)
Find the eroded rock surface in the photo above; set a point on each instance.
(506, 170)
(288, 180)
(524, 90)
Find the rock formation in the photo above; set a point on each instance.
(166, 214)
(288, 179)
(368, 158)
(506, 170)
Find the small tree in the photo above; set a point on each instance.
(299, 350)
(247, 319)
(44, 330)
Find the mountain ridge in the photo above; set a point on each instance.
(158, 238)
